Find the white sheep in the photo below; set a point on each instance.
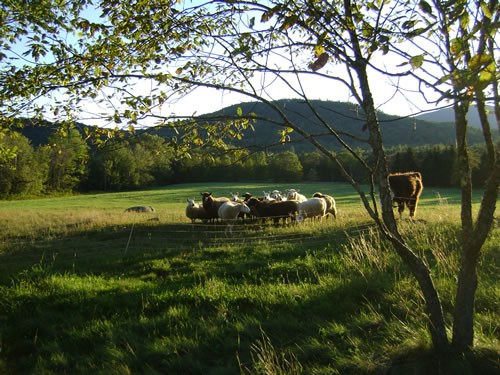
(331, 206)
(276, 194)
(235, 197)
(267, 196)
(228, 212)
(195, 211)
(293, 194)
(314, 207)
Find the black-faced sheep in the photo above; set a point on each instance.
(195, 211)
(331, 206)
(406, 188)
(275, 210)
(247, 196)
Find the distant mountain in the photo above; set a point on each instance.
(39, 131)
(345, 118)
(447, 115)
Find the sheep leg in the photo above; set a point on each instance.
(229, 228)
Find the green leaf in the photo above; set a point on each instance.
(486, 10)
(270, 13)
(289, 22)
(425, 7)
(367, 30)
(374, 47)
(478, 61)
(116, 118)
(239, 111)
(464, 20)
(409, 24)
(487, 76)
(318, 50)
(417, 61)
(456, 46)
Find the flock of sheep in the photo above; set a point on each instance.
(406, 188)
(292, 206)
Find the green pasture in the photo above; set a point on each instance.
(86, 288)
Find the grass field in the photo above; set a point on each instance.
(88, 289)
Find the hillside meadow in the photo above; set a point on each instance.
(86, 288)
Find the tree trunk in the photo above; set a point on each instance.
(433, 308)
(463, 168)
(417, 266)
(463, 327)
(463, 323)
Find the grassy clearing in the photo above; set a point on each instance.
(86, 288)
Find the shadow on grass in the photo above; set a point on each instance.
(174, 326)
(188, 307)
(107, 250)
(188, 299)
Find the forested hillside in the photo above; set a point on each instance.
(343, 117)
(346, 119)
(66, 163)
(52, 161)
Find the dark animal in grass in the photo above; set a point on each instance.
(331, 206)
(140, 209)
(274, 210)
(247, 196)
(406, 189)
(212, 204)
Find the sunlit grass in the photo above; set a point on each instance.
(87, 288)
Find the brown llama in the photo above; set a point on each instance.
(406, 188)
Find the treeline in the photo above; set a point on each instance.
(68, 164)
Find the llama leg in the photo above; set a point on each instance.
(412, 206)
(401, 208)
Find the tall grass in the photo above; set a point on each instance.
(86, 288)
